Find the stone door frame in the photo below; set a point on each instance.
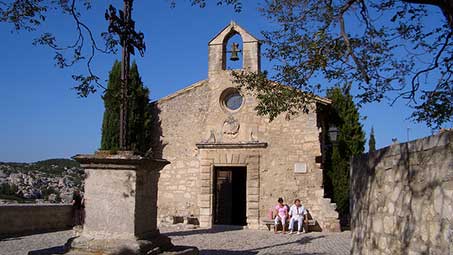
(233, 155)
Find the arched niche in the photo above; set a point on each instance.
(228, 64)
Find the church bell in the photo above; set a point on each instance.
(234, 52)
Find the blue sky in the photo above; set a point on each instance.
(41, 116)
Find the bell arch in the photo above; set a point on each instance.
(218, 50)
(233, 49)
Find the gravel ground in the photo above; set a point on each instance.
(230, 241)
(216, 241)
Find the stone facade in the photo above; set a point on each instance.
(196, 132)
(402, 198)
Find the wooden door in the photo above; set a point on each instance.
(224, 196)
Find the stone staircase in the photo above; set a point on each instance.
(323, 211)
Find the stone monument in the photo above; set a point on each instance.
(120, 205)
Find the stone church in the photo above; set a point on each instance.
(229, 165)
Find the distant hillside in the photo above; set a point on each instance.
(51, 166)
(52, 180)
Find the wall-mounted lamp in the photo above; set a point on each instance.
(333, 134)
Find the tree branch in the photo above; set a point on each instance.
(445, 5)
(345, 36)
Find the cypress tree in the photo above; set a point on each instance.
(372, 141)
(110, 123)
(139, 124)
(350, 142)
(139, 116)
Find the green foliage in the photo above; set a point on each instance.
(350, 142)
(139, 114)
(10, 192)
(339, 176)
(351, 135)
(8, 189)
(236, 4)
(110, 123)
(46, 191)
(372, 141)
(31, 15)
(273, 97)
(377, 46)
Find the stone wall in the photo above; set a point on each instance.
(31, 218)
(180, 120)
(402, 198)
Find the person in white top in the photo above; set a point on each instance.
(297, 213)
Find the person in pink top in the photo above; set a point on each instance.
(281, 215)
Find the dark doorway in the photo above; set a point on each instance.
(230, 195)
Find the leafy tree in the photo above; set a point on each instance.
(29, 15)
(8, 189)
(386, 49)
(372, 141)
(47, 191)
(139, 135)
(377, 45)
(350, 142)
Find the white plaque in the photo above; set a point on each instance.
(300, 167)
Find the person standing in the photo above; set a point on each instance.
(77, 208)
(297, 213)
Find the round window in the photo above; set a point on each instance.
(231, 99)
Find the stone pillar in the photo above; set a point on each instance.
(206, 194)
(120, 205)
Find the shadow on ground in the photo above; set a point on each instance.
(227, 252)
(62, 249)
(301, 241)
(213, 230)
(48, 251)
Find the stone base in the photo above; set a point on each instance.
(160, 244)
(84, 245)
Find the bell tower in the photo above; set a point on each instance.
(248, 52)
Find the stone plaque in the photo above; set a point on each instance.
(300, 168)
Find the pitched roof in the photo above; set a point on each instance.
(182, 91)
(230, 29)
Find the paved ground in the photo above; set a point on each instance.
(217, 241)
(49, 242)
(229, 241)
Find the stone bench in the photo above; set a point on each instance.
(269, 223)
(311, 222)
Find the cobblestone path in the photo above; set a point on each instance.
(217, 241)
